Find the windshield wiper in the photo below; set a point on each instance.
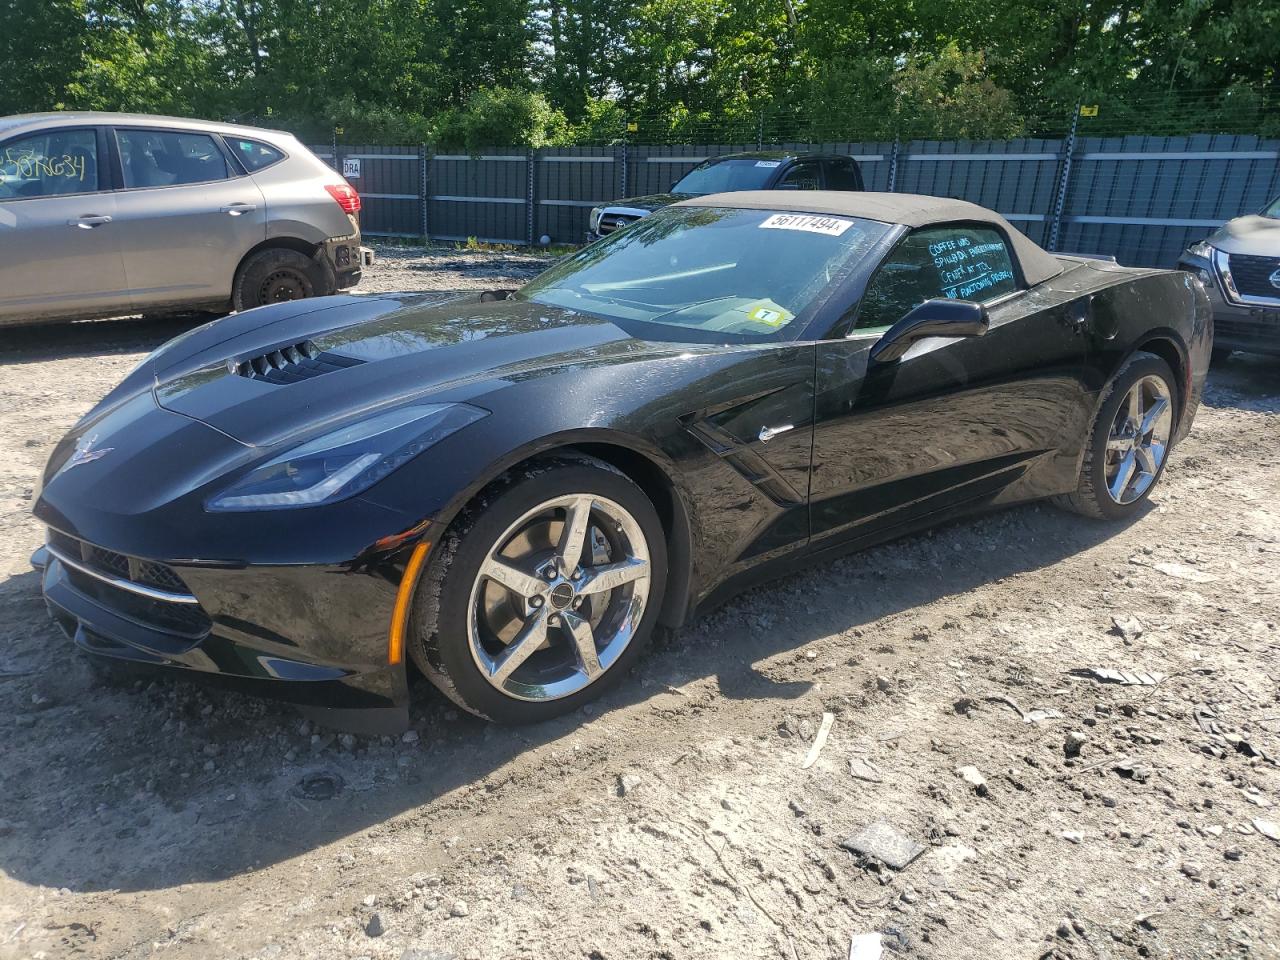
(694, 303)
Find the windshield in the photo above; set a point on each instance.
(715, 274)
(725, 176)
(1272, 209)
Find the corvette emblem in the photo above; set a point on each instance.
(85, 453)
(1275, 279)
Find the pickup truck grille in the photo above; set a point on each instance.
(610, 222)
(1252, 275)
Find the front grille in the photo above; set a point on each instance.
(289, 364)
(183, 618)
(1255, 329)
(610, 222)
(1252, 275)
(148, 573)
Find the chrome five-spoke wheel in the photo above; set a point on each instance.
(1128, 443)
(559, 597)
(543, 591)
(1139, 439)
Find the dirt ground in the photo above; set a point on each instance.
(675, 819)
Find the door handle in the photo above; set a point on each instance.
(88, 222)
(235, 209)
(768, 433)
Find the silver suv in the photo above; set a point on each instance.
(103, 214)
(1239, 265)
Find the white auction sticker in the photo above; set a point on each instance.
(768, 164)
(810, 223)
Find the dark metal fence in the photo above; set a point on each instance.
(1139, 199)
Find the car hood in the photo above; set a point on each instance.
(368, 353)
(655, 201)
(1254, 235)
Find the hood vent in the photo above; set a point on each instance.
(298, 361)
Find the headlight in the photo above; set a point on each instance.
(347, 461)
(1203, 250)
(593, 222)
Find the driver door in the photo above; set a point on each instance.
(955, 421)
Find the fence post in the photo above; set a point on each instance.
(1060, 201)
(893, 166)
(423, 159)
(622, 192)
(529, 199)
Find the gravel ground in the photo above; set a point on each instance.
(1057, 814)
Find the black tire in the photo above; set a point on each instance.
(1090, 498)
(1220, 355)
(277, 275)
(439, 641)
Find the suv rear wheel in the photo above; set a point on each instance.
(277, 276)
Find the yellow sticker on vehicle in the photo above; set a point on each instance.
(770, 314)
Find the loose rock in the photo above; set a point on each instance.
(973, 777)
(882, 842)
(628, 783)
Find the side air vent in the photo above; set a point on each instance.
(298, 361)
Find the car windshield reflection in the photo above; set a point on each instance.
(742, 275)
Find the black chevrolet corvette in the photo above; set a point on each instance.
(509, 491)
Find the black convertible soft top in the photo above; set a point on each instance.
(909, 209)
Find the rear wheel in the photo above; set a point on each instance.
(1129, 443)
(543, 594)
(277, 276)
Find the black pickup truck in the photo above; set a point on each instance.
(759, 170)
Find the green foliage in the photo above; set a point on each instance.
(497, 115)
(553, 71)
(951, 97)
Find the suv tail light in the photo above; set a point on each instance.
(346, 196)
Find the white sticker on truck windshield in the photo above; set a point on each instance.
(810, 223)
(768, 164)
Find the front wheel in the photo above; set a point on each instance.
(543, 593)
(1128, 444)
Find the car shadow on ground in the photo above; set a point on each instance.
(116, 795)
(36, 343)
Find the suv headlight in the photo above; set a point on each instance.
(346, 461)
(593, 221)
(1203, 250)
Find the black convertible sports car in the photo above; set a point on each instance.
(509, 491)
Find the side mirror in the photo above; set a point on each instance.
(933, 318)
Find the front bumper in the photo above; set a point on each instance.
(313, 636)
(1253, 328)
